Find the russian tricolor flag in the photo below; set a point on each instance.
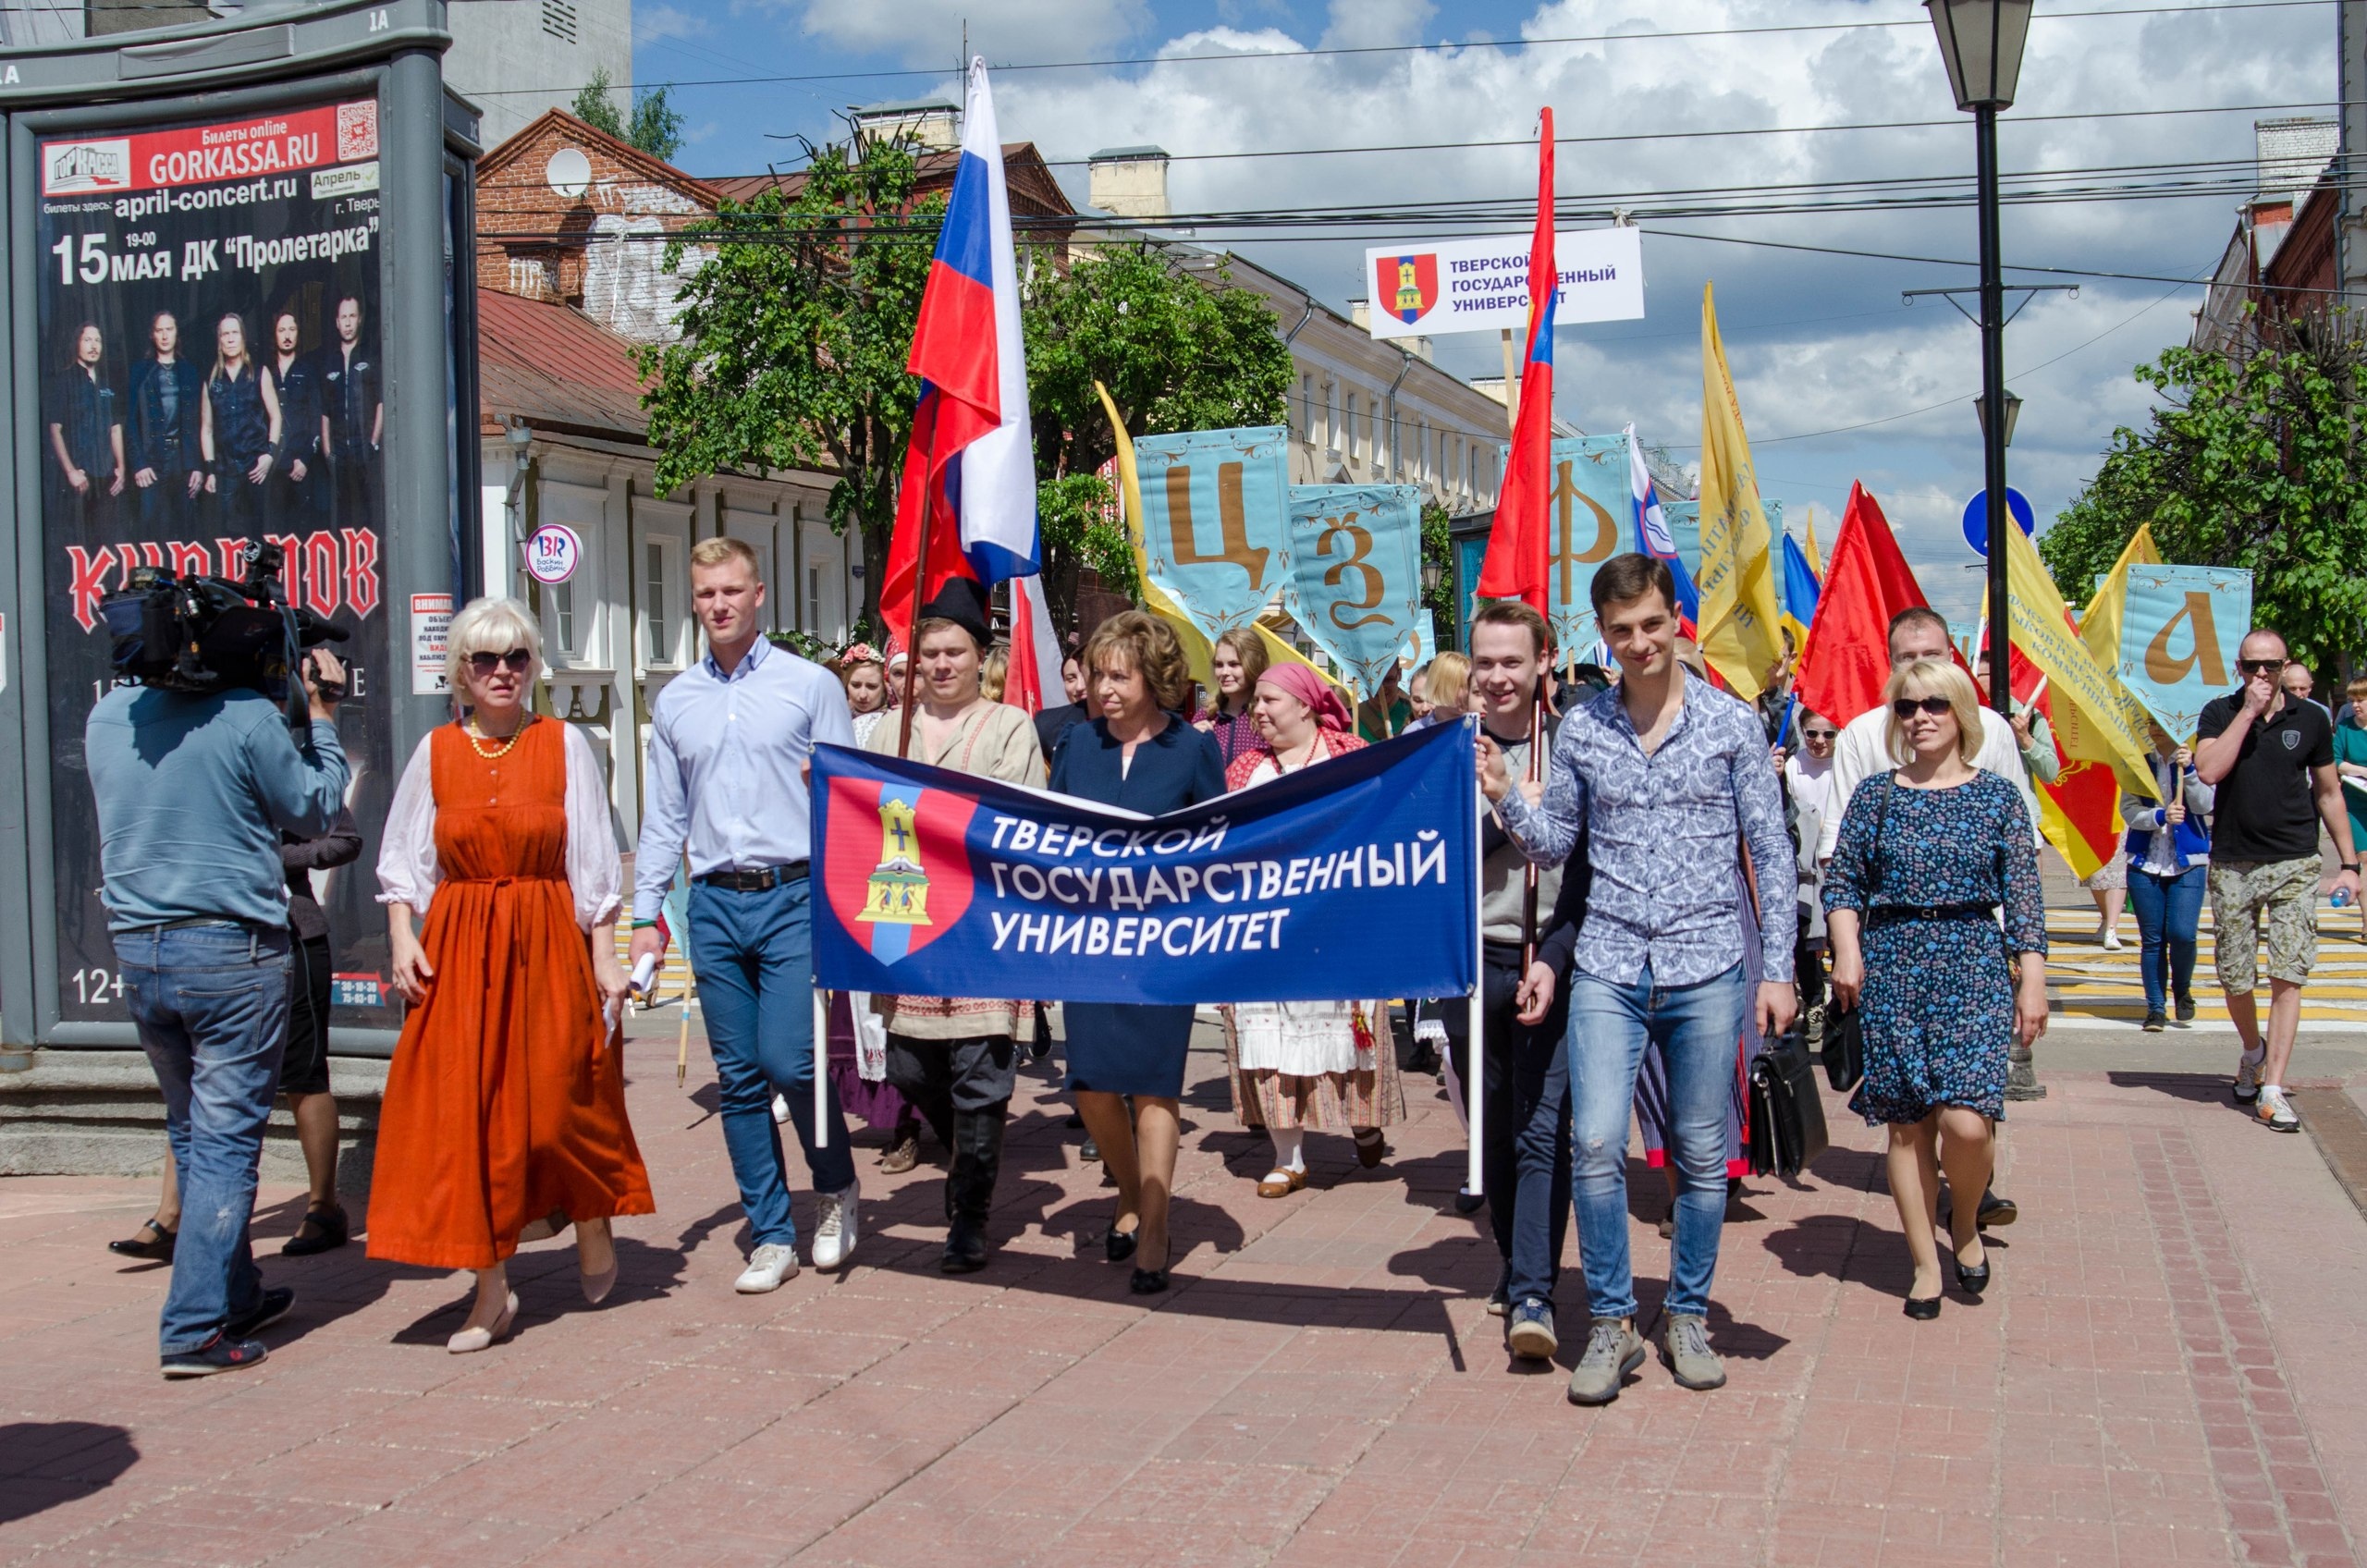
(1514, 566)
(971, 461)
(1653, 538)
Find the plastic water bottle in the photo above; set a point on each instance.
(2342, 898)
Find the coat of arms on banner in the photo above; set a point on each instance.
(1406, 286)
(918, 885)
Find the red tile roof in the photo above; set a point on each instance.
(553, 366)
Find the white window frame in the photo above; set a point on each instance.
(667, 595)
(756, 531)
(584, 508)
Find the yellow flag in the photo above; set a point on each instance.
(2041, 630)
(1197, 648)
(1816, 557)
(1741, 633)
(2084, 740)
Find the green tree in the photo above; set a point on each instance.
(1438, 544)
(1177, 352)
(2254, 461)
(655, 127)
(794, 336)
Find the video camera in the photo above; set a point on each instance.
(206, 634)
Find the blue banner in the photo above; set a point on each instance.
(1216, 520)
(1356, 573)
(1592, 508)
(1354, 878)
(2179, 629)
(1685, 530)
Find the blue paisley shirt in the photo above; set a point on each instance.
(1663, 834)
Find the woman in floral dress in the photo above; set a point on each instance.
(1928, 857)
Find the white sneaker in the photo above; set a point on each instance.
(840, 1226)
(780, 1110)
(770, 1267)
(2112, 941)
(2248, 1068)
(2273, 1112)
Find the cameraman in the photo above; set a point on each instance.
(192, 792)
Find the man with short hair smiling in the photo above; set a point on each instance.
(729, 746)
(1665, 774)
(2270, 755)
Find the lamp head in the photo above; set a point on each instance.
(1982, 43)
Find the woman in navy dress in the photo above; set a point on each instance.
(1137, 754)
(1926, 858)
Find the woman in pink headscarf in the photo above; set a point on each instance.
(1295, 1067)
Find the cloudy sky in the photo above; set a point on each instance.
(1839, 378)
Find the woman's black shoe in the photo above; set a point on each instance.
(157, 1247)
(1972, 1281)
(328, 1231)
(1923, 1311)
(1120, 1244)
(1149, 1282)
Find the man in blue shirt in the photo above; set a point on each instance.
(1666, 774)
(726, 784)
(192, 792)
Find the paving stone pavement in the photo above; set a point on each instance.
(2170, 1368)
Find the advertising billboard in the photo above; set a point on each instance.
(209, 329)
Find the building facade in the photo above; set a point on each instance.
(516, 58)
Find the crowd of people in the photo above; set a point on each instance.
(1666, 875)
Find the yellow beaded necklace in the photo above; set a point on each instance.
(477, 738)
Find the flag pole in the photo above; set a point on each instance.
(822, 1067)
(1475, 1081)
(920, 591)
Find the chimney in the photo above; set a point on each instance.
(932, 124)
(1130, 182)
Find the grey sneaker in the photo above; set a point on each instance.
(1531, 1335)
(2248, 1068)
(1685, 1347)
(1612, 1351)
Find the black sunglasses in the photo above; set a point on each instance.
(1820, 734)
(1907, 707)
(2261, 667)
(516, 661)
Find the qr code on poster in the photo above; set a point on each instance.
(357, 130)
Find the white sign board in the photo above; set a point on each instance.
(1440, 286)
(431, 625)
(554, 552)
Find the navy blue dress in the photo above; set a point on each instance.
(1117, 1048)
(1939, 975)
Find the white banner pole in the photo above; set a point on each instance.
(821, 1066)
(1475, 1083)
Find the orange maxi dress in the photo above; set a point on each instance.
(505, 1101)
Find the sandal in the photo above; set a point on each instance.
(1281, 1183)
(157, 1247)
(324, 1230)
(901, 1156)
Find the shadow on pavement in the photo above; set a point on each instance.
(99, 1454)
(2195, 1088)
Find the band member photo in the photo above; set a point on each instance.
(86, 433)
(162, 431)
(293, 498)
(353, 418)
(239, 429)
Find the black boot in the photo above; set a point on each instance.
(970, 1189)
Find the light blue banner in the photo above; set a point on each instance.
(1684, 528)
(2178, 633)
(1356, 573)
(1216, 520)
(1591, 519)
(1426, 639)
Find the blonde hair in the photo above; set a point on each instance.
(721, 551)
(490, 626)
(1446, 680)
(994, 672)
(1147, 644)
(1936, 677)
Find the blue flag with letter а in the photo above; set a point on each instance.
(1350, 879)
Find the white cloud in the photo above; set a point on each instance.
(652, 23)
(926, 32)
(1363, 23)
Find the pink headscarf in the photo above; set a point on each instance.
(1301, 682)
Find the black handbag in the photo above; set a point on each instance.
(1787, 1129)
(1844, 1033)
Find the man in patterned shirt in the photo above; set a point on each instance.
(1666, 774)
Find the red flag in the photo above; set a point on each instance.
(1866, 582)
(1517, 564)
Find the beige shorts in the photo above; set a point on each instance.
(2281, 893)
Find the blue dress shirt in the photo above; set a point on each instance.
(1664, 835)
(724, 778)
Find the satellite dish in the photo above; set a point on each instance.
(568, 173)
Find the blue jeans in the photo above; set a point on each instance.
(752, 954)
(210, 1004)
(1698, 1029)
(2168, 910)
(1525, 1081)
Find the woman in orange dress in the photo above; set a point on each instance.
(506, 1101)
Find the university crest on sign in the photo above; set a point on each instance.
(896, 894)
(1407, 286)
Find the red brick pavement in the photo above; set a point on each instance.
(2168, 1369)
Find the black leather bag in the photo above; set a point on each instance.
(1844, 1033)
(1787, 1129)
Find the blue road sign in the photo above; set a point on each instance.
(1976, 517)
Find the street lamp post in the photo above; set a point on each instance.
(1982, 43)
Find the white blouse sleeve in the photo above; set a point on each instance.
(407, 870)
(595, 869)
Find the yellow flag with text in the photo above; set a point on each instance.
(2040, 628)
(1741, 624)
(1196, 649)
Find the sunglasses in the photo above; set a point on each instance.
(1820, 734)
(2261, 666)
(516, 661)
(1907, 707)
